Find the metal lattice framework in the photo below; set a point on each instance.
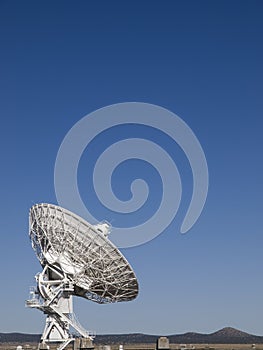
(96, 268)
(77, 259)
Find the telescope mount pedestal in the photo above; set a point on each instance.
(53, 296)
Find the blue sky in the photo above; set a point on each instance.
(201, 60)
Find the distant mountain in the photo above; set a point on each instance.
(229, 331)
(134, 338)
(19, 337)
(226, 335)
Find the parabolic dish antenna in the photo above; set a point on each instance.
(77, 259)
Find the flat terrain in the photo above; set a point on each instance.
(33, 346)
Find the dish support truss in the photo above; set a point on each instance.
(53, 296)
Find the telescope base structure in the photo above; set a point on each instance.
(54, 298)
(78, 344)
(83, 344)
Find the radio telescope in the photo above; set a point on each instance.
(77, 259)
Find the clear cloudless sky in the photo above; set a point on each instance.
(61, 60)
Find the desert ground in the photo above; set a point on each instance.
(34, 346)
